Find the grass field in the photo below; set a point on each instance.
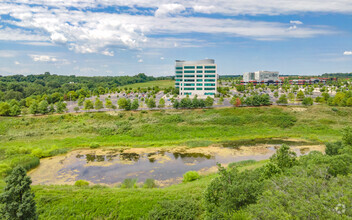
(25, 139)
(159, 83)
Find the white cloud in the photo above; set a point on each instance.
(49, 59)
(17, 63)
(43, 58)
(169, 9)
(162, 58)
(108, 53)
(347, 53)
(296, 22)
(98, 32)
(140, 61)
(58, 38)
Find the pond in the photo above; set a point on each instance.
(165, 165)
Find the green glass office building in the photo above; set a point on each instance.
(196, 77)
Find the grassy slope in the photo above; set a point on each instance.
(159, 83)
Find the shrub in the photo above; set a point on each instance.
(191, 176)
(94, 146)
(307, 101)
(284, 157)
(129, 183)
(80, 183)
(177, 209)
(232, 190)
(333, 148)
(26, 161)
(149, 183)
(58, 151)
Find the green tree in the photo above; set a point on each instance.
(17, 198)
(209, 101)
(291, 96)
(61, 107)
(108, 104)
(51, 108)
(14, 107)
(33, 109)
(161, 103)
(284, 157)
(76, 109)
(151, 103)
(349, 102)
(221, 100)
(88, 104)
(123, 104)
(300, 95)
(276, 94)
(98, 104)
(347, 136)
(81, 100)
(231, 190)
(43, 107)
(282, 100)
(307, 101)
(135, 104)
(5, 109)
(176, 104)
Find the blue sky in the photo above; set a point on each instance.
(118, 37)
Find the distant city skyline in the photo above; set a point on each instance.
(115, 37)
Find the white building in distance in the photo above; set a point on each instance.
(260, 76)
(196, 77)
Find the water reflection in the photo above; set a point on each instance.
(113, 166)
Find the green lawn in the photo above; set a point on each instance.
(159, 83)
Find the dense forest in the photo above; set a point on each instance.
(340, 75)
(19, 87)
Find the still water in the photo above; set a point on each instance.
(112, 166)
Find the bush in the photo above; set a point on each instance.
(94, 146)
(80, 183)
(191, 176)
(177, 209)
(307, 101)
(284, 157)
(232, 190)
(58, 151)
(149, 183)
(333, 148)
(26, 161)
(129, 183)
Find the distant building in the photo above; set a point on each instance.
(196, 77)
(261, 76)
(267, 77)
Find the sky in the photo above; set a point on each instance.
(127, 37)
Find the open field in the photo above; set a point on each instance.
(25, 139)
(159, 83)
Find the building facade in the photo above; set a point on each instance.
(196, 77)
